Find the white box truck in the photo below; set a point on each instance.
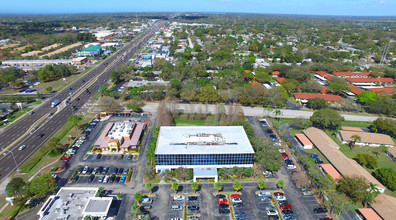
(55, 103)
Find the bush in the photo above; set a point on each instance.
(366, 160)
(55, 152)
(386, 176)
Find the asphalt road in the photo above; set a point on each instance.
(51, 124)
(258, 112)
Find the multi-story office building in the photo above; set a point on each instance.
(203, 148)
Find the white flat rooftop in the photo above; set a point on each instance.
(203, 140)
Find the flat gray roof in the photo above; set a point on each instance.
(205, 172)
(203, 140)
(98, 205)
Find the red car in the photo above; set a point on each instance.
(285, 206)
(278, 194)
(235, 196)
(284, 155)
(66, 158)
(222, 201)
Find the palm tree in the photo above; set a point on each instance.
(237, 186)
(280, 184)
(369, 196)
(218, 186)
(175, 186)
(277, 112)
(261, 184)
(355, 138)
(149, 187)
(194, 186)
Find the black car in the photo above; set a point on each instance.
(193, 207)
(320, 210)
(120, 170)
(144, 211)
(239, 204)
(98, 156)
(77, 99)
(220, 196)
(90, 178)
(105, 170)
(99, 170)
(287, 211)
(89, 171)
(129, 157)
(192, 198)
(115, 170)
(117, 179)
(112, 178)
(80, 169)
(75, 178)
(224, 211)
(318, 161)
(225, 205)
(269, 131)
(40, 135)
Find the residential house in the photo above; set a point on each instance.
(367, 139)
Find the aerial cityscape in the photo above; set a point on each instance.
(211, 110)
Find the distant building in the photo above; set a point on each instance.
(370, 81)
(122, 136)
(275, 73)
(352, 74)
(387, 90)
(329, 169)
(368, 214)
(75, 203)
(304, 97)
(90, 51)
(322, 75)
(367, 139)
(79, 60)
(101, 36)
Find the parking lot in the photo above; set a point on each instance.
(104, 157)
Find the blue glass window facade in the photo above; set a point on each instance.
(203, 159)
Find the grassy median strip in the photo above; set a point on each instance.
(15, 115)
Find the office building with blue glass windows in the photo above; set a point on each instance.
(203, 148)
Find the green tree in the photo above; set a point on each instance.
(327, 118)
(99, 193)
(194, 186)
(49, 89)
(386, 176)
(41, 186)
(267, 155)
(137, 197)
(237, 186)
(367, 96)
(134, 105)
(261, 184)
(317, 103)
(149, 187)
(119, 195)
(355, 138)
(135, 210)
(175, 186)
(208, 94)
(280, 184)
(15, 186)
(354, 187)
(218, 186)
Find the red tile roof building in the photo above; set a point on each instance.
(303, 97)
(352, 75)
(329, 169)
(356, 90)
(280, 79)
(307, 144)
(369, 214)
(275, 73)
(324, 90)
(323, 74)
(347, 128)
(387, 90)
(371, 80)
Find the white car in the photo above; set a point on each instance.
(291, 167)
(272, 212)
(147, 200)
(281, 150)
(307, 193)
(178, 198)
(236, 200)
(263, 193)
(281, 198)
(22, 147)
(85, 170)
(106, 179)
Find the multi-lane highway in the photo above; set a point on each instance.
(27, 130)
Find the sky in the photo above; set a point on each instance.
(307, 7)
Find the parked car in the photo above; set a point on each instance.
(238, 205)
(263, 193)
(235, 196)
(272, 212)
(279, 194)
(193, 207)
(177, 207)
(220, 196)
(307, 193)
(285, 206)
(288, 216)
(222, 201)
(40, 135)
(287, 211)
(224, 211)
(112, 178)
(192, 198)
(85, 170)
(224, 205)
(280, 198)
(314, 156)
(265, 198)
(146, 200)
(75, 178)
(105, 170)
(101, 178)
(269, 207)
(117, 179)
(193, 218)
(320, 210)
(178, 198)
(123, 178)
(267, 174)
(91, 177)
(240, 213)
(106, 179)
(236, 200)
(120, 170)
(284, 155)
(126, 171)
(80, 169)
(291, 167)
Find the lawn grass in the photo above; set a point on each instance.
(15, 115)
(364, 124)
(316, 151)
(182, 120)
(59, 84)
(36, 102)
